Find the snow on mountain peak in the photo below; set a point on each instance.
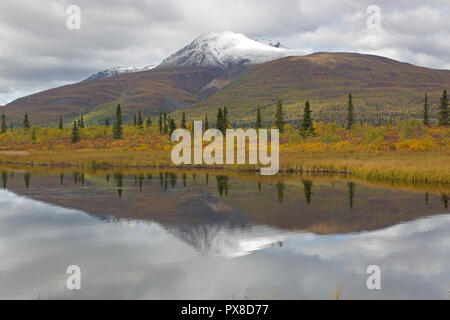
(223, 49)
(111, 72)
(118, 70)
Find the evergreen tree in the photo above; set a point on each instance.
(219, 120)
(148, 122)
(140, 121)
(160, 123)
(26, 122)
(3, 127)
(134, 119)
(258, 123)
(350, 118)
(75, 133)
(106, 123)
(225, 119)
(426, 108)
(279, 116)
(11, 126)
(81, 122)
(166, 126)
(60, 125)
(183, 121)
(443, 110)
(172, 126)
(118, 131)
(307, 128)
(206, 125)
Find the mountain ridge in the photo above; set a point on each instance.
(202, 84)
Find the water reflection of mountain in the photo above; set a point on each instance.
(230, 216)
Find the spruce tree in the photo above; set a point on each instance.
(258, 123)
(117, 131)
(350, 118)
(75, 133)
(443, 110)
(26, 122)
(307, 128)
(134, 119)
(160, 123)
(172, 126)
(148, 122)
(206, 125)
(426, 108)
(219, 120)
(183, 121)
(279, 116)
(106, 123)
(60, 125)
(165, 125)
(81, 122)
(225, 119)
(3, 127)
(140, 121)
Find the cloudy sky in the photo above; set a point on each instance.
(38, 51)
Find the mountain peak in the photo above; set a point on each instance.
(223, 49)
(111, 72)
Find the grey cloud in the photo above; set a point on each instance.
(37, 51)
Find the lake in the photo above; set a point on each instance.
(211, 235)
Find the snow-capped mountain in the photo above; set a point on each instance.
(118, 70)
(224, 49)
(111, 72)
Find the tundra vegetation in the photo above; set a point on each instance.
(409, 150)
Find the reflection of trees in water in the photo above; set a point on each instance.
(280, 191)
(184, 179)
(4, 179)
(26, 179)
(222, 185)
(140, 180)
(118, 177)
(207, 179)
(172, 177)
(426, 198)
(307, 187)
(61, 178)
(78, 177)
(259, 186)
(351, 193)
(444, 199)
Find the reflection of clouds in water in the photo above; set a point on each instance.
(133, 259)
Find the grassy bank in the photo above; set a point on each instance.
(407, 151)
(431, 167)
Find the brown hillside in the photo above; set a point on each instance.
(151, 91)
(379, 85)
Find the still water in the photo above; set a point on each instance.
(197, 235)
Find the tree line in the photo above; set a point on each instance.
(166, 124)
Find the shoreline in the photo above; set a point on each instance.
(406, 167)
